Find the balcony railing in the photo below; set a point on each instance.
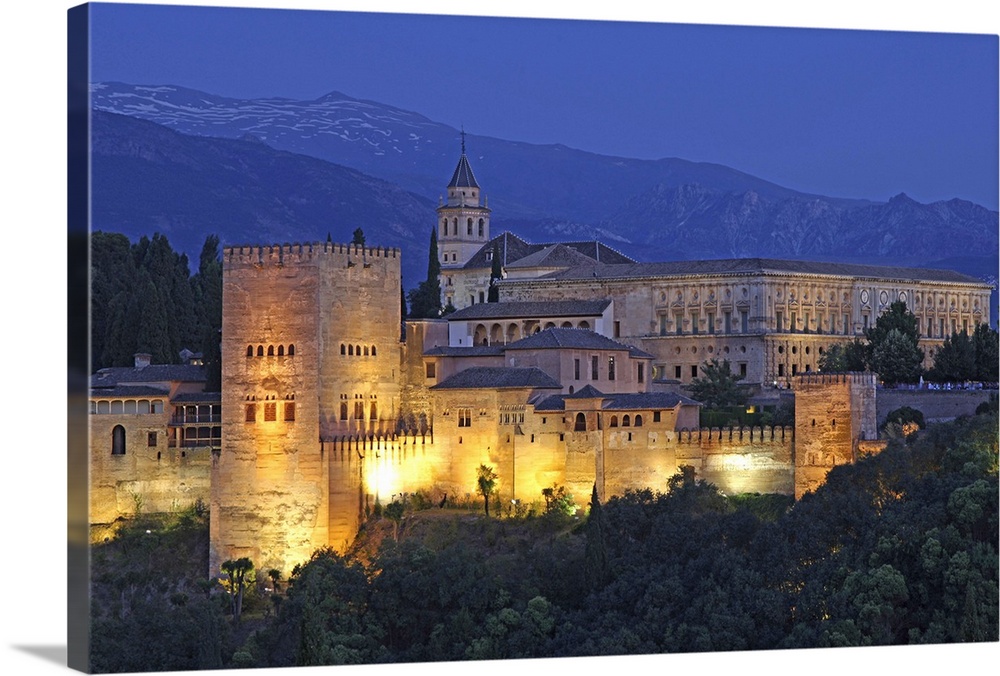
(194, 419)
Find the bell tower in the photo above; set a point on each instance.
(464, 220)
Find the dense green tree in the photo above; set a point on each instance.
(425, 300)
(718, 386)
(486, 481)
(986, 343)
(897, 359)
(358, 239)
(955, 360)
(850, 356)
(596, 565)
(892, 346)
(207, 289)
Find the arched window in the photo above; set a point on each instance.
(343, 410)
(249, 350)
(626, 421)
(343, 349)
(291, 350)
(583, 325)
(567, 325)
(118, 440)
(260, 350)
(638, 421)
(350, 350)
(270, 350)
(481, 224)
(469, 227)
(357, 350)
(454, 226)
(374, 411)
(281, 350)
(581, 423)
(373, 350)
(614, 421)
(366, 350)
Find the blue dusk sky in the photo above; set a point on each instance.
(844, 113)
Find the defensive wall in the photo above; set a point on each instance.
(936, 405)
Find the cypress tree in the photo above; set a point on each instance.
(596, 566)
(496, 274)
(425, 300)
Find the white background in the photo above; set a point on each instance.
(32, 145)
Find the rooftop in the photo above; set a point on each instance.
(580, 339)
(758, 266)
(517, 309)
(491, 377)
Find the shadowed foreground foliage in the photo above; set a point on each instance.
(900, 548)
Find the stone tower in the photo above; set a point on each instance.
(834, 415)
(310, 353)
(463, 221)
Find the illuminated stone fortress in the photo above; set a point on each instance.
(329, 405)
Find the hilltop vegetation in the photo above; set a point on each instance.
(900, 548)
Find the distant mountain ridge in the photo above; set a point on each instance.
(667, 209)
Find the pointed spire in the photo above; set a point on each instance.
(463, 139)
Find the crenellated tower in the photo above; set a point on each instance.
(464, 220)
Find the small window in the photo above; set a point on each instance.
(343, 410)
(251, 413)
(350, 350)
(118, 440)
(373, 415)
(343, 349)
(270, 350)
(614, 421)
(465, 417)
(270, 412)
(581, 423)
(677, 372)
(626, 421)
(694, 370)
(656, 416)
(366, 350)
(249, 350)
(151, 439)
(638, 421)
(260, 350)
(373, 350)
(593, 367)
(431, 369)
(291, 350)
(641, 373)
(289, 411)
(611, 368)
(281, 350)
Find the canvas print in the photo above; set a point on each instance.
(434, 339)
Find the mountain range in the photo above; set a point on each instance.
(185, 163)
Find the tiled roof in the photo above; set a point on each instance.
(646, 400)
(122, 391)
(758, 266)
(463, 177)
(498, 377)
(474, 351)
(579, 339)
(154, 373)
(513, 250)
(642, 401)
(511, 309)
(552, 256)
(197, 398)
(553, 402)
(587, 392)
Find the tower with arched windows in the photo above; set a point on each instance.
(463, 221)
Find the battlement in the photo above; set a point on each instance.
(804, 380)
(726, 435)
(279, 255)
